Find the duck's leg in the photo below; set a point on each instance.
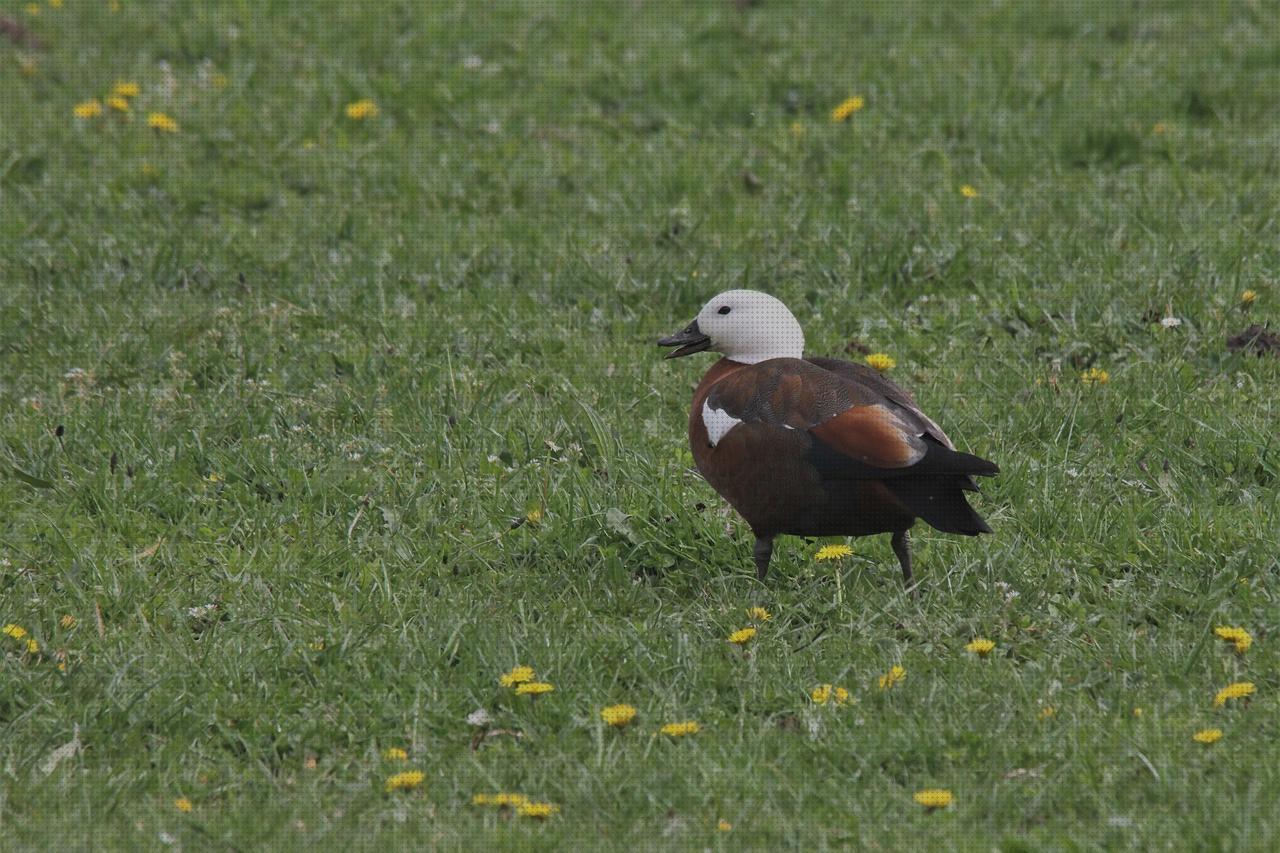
(902, 547)
(763, 554)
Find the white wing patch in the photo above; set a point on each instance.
(718, 423)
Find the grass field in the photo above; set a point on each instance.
(283, 393)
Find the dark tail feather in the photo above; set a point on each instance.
(943, 460)
(936, 493)
(932, 489)
(940, 502)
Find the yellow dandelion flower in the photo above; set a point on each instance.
(892, 677)
(824, 693)
(1159, 127)
(742, 636)
(881, 361)
(1237, 690)
(118, 103)
(618, 715)
(517, 675)
(1228, 633)
(68, 621)
(933, 798)
(126, 89)
(1248, 297)
(148, 170)
(968, 191)
(759, 614)
(395, 753)
(1047, 711)
(219, 80)
(114, 6)
(1239, 636)
(833, 552)
(404, 781)
(724, 826)
(1095, 376)
(1137, 712)
(55, 4)
(534, 688)
(360, 110)
(162, 123)
(182, 804)
(508, 800)
(847, 107)
(1207, 736)
(533, 516)
(481, 800)
(33, 9)
(689, 727)
(316, 645)
(91, 108)
(538, 811)
(15, 631)
(797, 129)
(980, 646)
(32, 646)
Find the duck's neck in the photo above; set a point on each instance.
(722, 368)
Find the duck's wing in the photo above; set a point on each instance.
(853, 419)
(869, 377)
(859, 430)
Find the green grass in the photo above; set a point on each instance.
(327, 363)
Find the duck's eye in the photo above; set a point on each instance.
(724, 309)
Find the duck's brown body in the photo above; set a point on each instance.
(821, 447)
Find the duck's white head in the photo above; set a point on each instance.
(746, 325)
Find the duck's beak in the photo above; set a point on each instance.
(689, 341)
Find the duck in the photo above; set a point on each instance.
(816, 447)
